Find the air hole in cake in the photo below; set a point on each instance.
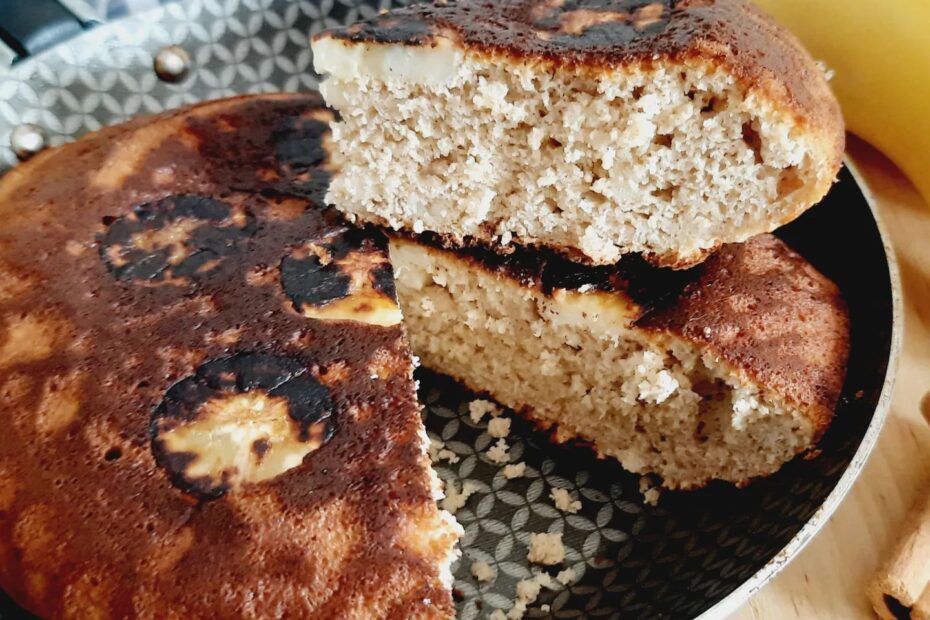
(113, 454)
(665, 193)
(754, 141)
(712, 105)
(594, 197)
(439, 164)
(789, 181)
(553, 207)
(699, 432)
(663, 139)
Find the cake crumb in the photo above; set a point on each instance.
(564, 502)
(499, 452)
(499, 427)
(516, 470)
(477, 409)
(828, 73)
(497, 614)
(659, 388)
(482, 571)
(435, 445)
(546, 549)
(447, 455)
(545, 608)
(651, 496)
(566, 576)
(651, 492)
(455, 499)
(527, 592)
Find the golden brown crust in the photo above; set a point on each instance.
(606, 35)
(757, 306)
(158, 281)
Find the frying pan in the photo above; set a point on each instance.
(68, 70)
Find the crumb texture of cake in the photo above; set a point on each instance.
(596, 128)
(210, 409)
(724, 371)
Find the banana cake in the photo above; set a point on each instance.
(594, 127)
(723, 371)
(208, 394)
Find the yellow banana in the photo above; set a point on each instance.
(880, 52)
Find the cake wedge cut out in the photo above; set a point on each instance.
(210, 408)
(724, 372)
(595, 128)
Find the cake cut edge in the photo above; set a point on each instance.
(665, 381)
(708, 126)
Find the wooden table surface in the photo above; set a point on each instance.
(828, 578)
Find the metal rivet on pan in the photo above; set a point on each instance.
(172, 63)
(27, 140)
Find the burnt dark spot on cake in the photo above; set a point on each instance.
(390, 28)
(343, 276)
(174, 239)
(269, 148)
(260, 447)
(597, 22)
(308, 280)
(382, 279)
(550, 270)
(299, 143)
(530, 26)
(244, 418)
(605, 34)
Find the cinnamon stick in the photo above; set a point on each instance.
(901, 588)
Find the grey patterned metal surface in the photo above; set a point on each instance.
(692, 553)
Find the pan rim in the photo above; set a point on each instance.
(732, 601)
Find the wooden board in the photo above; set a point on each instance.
(828, 579)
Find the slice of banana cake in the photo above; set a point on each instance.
(595, 127)
(208, 394)
(724, 371)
